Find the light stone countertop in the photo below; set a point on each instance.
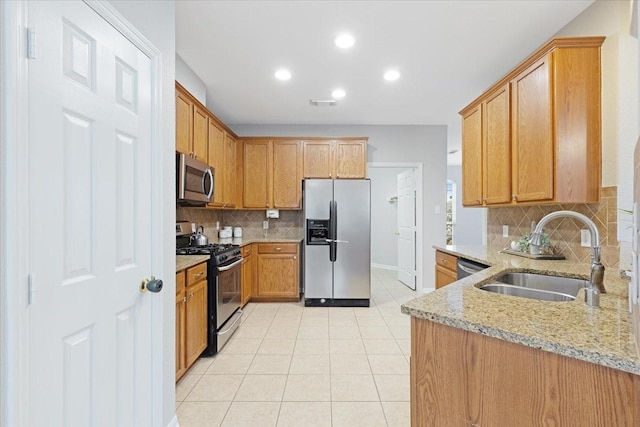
(186, 261)
(603, 335)
(243, 241)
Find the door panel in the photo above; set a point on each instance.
(407, 228)
(90, 95)
(533, 145)
(497, 148)
(352, 268)
(472, 158)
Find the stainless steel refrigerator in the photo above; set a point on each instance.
(337, 258)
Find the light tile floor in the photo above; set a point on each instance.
(290, 365)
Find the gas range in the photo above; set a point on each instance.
(220, 253)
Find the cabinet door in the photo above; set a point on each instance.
(229, 183)
(200, 133)
(181, 366)
(277, 276)
(184, 118)
(472, 157)
(216, 160)
(444, 276)
(247, 274)
(287, 174)
(496, 147)
(350, 159)
(256, 181)
(196, 321)
(317, 159)
(532, 142)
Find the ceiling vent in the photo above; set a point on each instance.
(323, 102)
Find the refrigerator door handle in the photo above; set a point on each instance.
(336, 241)
(332, 231)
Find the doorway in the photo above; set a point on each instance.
(385, 230)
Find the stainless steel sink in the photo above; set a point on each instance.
(536, 286)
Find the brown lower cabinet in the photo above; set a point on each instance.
(191, 316)
(461, 378)
(277, 272)
(446, 269)
(248, 273)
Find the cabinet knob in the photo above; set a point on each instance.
(514, 197)
(478, 200)
(444, 261)
(278, 249)
(184, 299)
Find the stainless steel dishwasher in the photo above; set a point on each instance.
(467, 267)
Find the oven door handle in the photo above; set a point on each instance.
(233, 324)
(230, 266)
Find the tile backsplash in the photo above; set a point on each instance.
(290, 225)
(564, 233)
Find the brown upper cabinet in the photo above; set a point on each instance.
(191, 126)
(344, 158)
(272, 174)
(534, 137)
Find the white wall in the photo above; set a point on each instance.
(190, 80)
(384, 215)
(157, 24)
(612, 18)
(471, 223)
(424, 144)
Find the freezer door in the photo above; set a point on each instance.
(352, 268)
(318, 269)
(318, 193)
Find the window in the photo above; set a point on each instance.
(451, 211)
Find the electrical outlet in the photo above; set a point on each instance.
(265, 225)
(585, 238)
(505, 231)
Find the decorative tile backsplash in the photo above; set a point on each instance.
(564, 233)
(290, 225)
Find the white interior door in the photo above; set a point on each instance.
(407, 228)
(90, 328)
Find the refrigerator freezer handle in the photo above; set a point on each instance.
(333, 223)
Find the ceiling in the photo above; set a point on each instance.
(447, 52)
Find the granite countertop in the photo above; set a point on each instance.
(186, 261)
(603, 335)
(243, 241)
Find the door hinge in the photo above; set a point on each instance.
(31, 291)
(31, 43)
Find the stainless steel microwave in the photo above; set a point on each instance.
(194, 180)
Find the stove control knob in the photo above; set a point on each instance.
(223, 257)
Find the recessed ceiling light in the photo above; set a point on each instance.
(338, 93)
(345, 41)
(283, 74)
(391, 75)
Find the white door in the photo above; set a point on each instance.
(407, 228)
(90, 328)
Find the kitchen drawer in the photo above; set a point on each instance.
(246, 250)
(180, 281)
(447, 261)
(278, 248)
(197, 273)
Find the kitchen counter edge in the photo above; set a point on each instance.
(602, 335)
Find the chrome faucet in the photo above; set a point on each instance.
(596, 280)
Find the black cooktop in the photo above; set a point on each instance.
(210, 249)
(220, 253)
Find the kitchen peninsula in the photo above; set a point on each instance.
(483, 358)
